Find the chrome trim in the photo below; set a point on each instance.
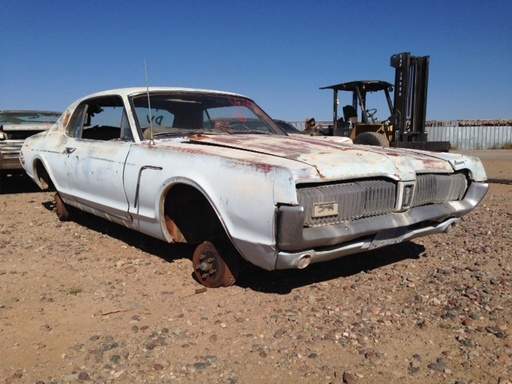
(293, 236)
(288, 260)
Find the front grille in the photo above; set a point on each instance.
(435, 189)
(9, 147)
(354, 200)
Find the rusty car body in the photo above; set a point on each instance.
(211, 168)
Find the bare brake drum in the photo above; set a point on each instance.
(213, 269)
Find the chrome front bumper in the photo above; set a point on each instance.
(329, 242)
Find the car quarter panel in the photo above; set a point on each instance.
(48, 148)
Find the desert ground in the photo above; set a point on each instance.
(88, 301)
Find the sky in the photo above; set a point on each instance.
(279, 53)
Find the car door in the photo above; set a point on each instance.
(95, 158)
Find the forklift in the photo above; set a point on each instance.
(405, 126)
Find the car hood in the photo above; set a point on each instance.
(333, 159)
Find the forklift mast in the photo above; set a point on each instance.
(410, 98)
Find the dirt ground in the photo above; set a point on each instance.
(90, 301)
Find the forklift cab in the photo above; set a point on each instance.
(357, 118)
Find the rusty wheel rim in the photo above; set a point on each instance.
(210, 268)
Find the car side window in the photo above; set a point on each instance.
(103, 119)
(103, 122)
(74, 127)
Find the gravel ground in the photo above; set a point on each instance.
(89, 301)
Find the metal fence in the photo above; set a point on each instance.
(461, 136)
(472, 137)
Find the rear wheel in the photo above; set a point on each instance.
(372, 138)
(61, 208)
(215, 267)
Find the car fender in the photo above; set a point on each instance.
(242, 196)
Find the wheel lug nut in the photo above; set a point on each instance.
(203, 267)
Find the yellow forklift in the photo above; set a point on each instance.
(405, 126)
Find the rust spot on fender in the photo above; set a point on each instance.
(197, 137)
(265, 168)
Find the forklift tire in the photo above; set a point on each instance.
(372, 138)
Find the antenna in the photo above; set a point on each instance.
(149, 104)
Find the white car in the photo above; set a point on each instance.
(212, 169)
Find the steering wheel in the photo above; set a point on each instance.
(371, 114)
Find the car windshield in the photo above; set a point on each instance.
(287, 127)
(193, 113)
(28, 117)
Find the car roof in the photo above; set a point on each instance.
(367, 85)
(138, 90)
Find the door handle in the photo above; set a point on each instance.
(69, 150)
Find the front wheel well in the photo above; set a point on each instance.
(42, 175)
(189, 216)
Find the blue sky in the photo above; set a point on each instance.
(277, 52)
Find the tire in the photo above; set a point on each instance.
(215, 269)
(372, 138)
